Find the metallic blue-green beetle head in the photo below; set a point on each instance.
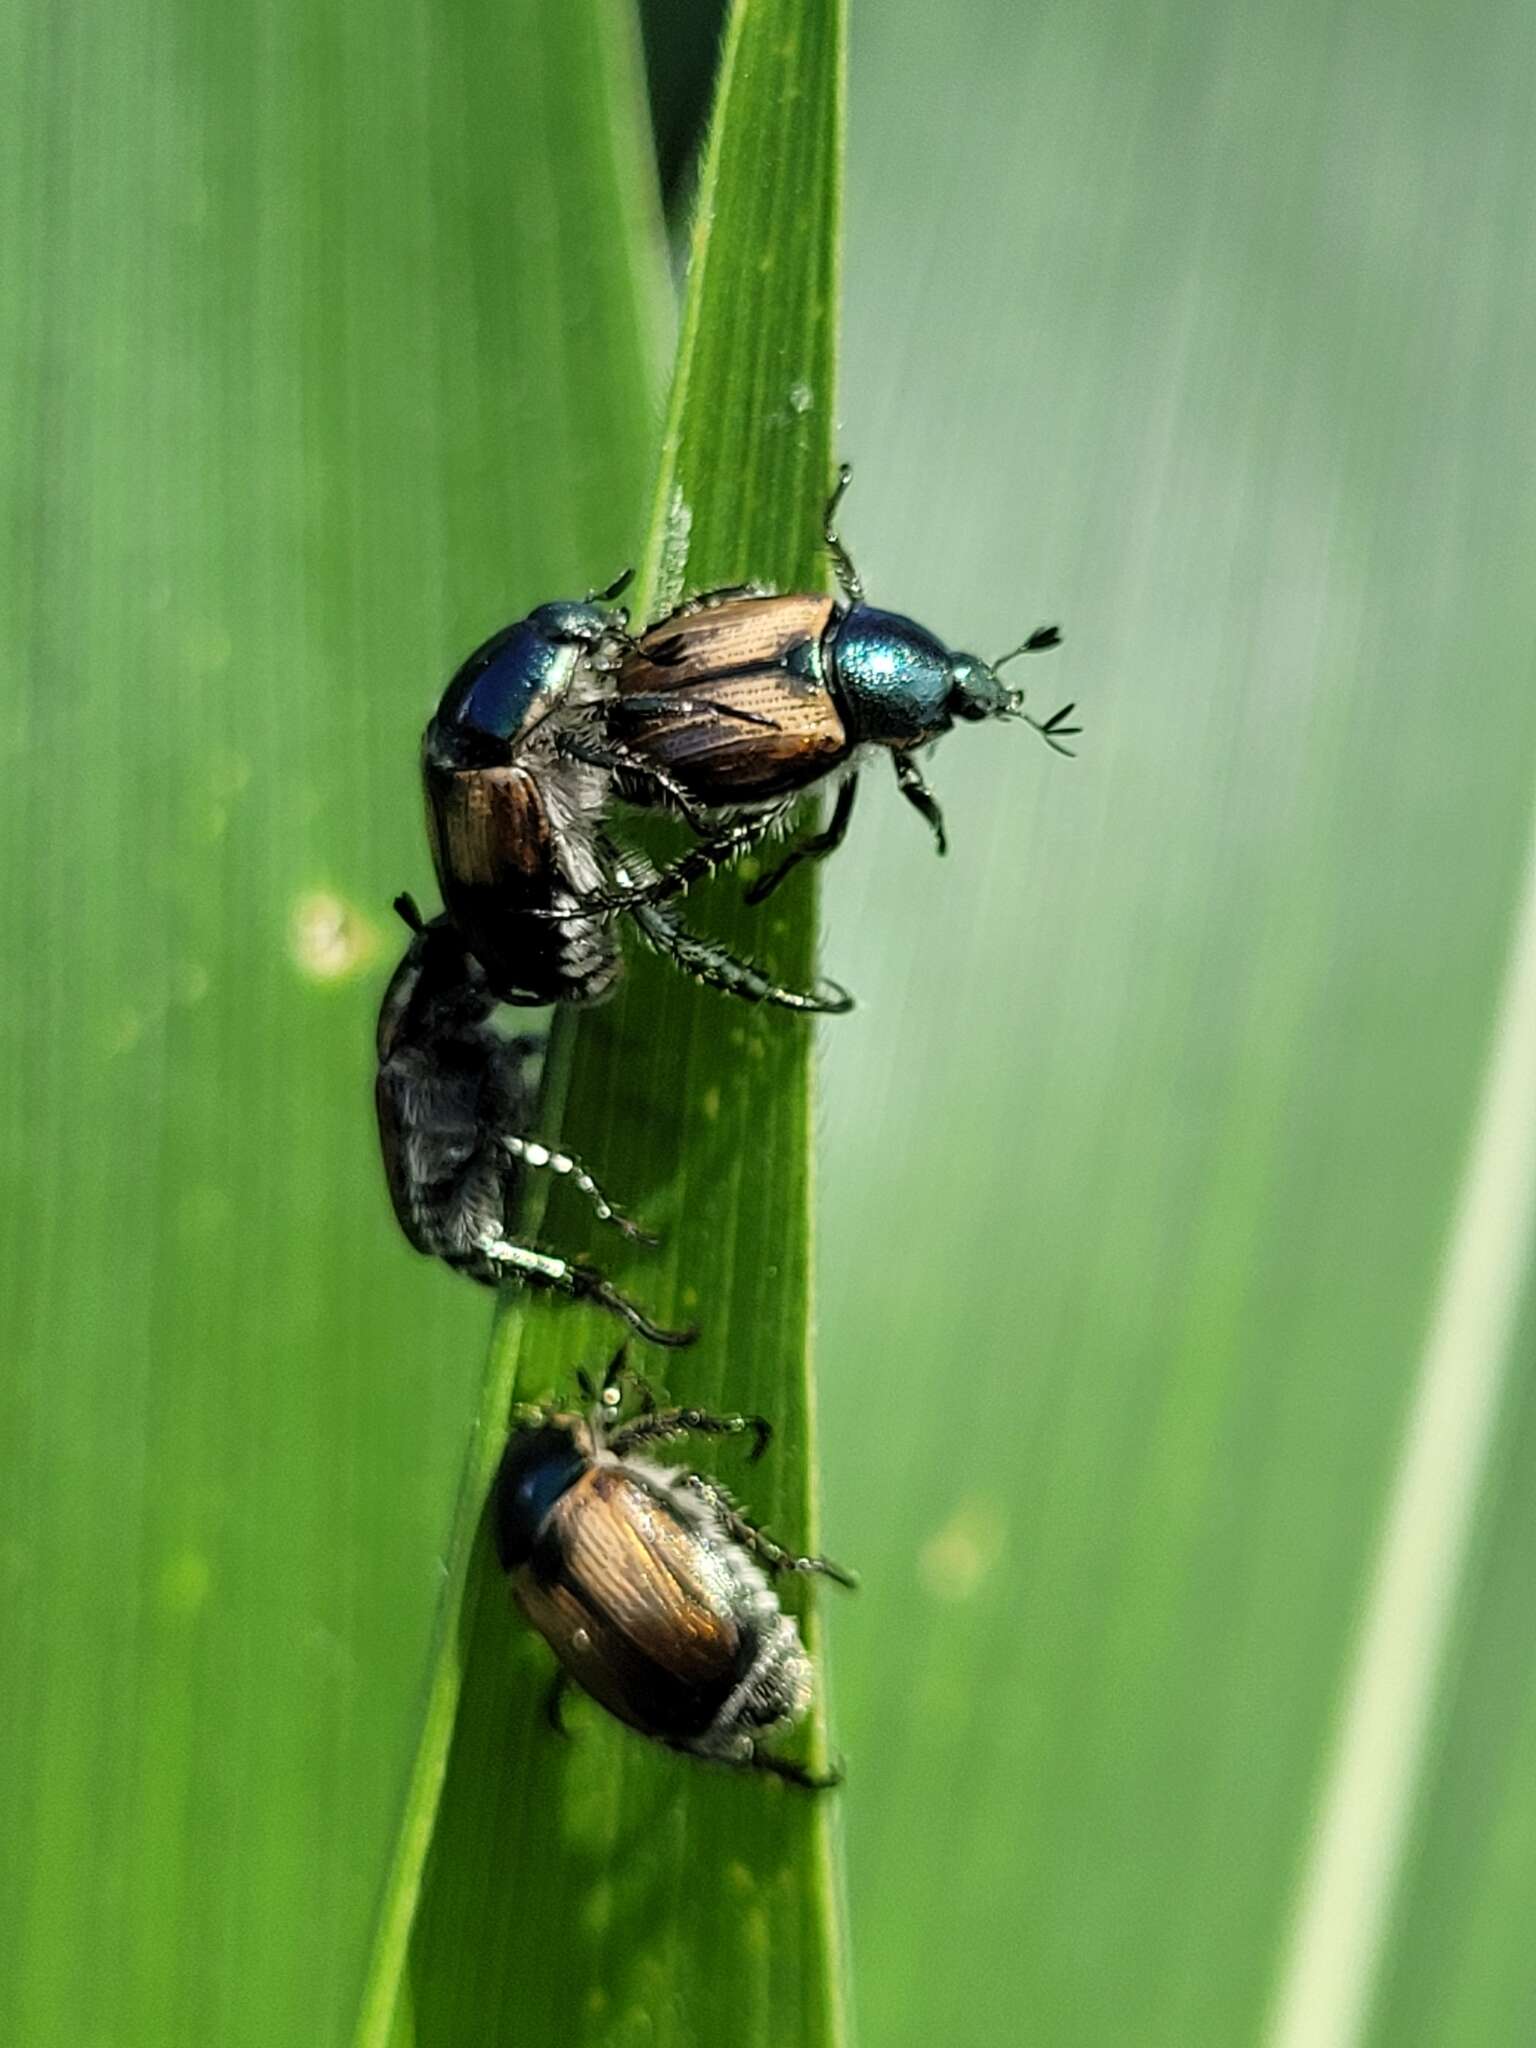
(542, 1462)
(976, 691)
(901, 687)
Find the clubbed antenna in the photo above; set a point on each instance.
(1053, 730)
(1038, 641)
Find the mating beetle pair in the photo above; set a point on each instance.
(727, 713)
(519, 787)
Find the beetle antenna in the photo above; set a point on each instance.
(404, 907)
(1053, 731)
(1037, 643)
(616, 588)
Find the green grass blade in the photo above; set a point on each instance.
(597, 1889)
(330, 338)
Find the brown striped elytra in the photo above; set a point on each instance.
(650, 1585)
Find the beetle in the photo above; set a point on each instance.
(517, 794)
(453, 1099)
(649, 1584)
(745, 698)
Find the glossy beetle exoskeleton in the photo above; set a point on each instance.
(512, 816)
(518, 786)
(745, 699)
(650, 1585)
(453, 1099)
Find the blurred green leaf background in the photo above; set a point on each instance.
(1206, 332)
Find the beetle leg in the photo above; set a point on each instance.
(712, 965)
(583, 1283)
(909, 779)
(615, 756)
(817, 847)
(531, 1152)
(849, 580)
(616, 588)
(657, 884)
(724, 593)
(664, 1425)
(711, 853)
(761, 1545)
(795, 1774)
(707, 961)
(404, 907)
(554, 1703)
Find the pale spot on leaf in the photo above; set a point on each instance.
(328, 939)
(185, 1581)
(954, 1561)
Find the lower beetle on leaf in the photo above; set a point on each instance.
(650, 1585)
(453, 1098)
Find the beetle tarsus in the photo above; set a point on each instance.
(797, 1774)
(589, 1285)
(712, 965)
(817, 847)
(748, 1533)
(662, 1425)
(584, 1283)
(849, 580)
(532, 1152)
